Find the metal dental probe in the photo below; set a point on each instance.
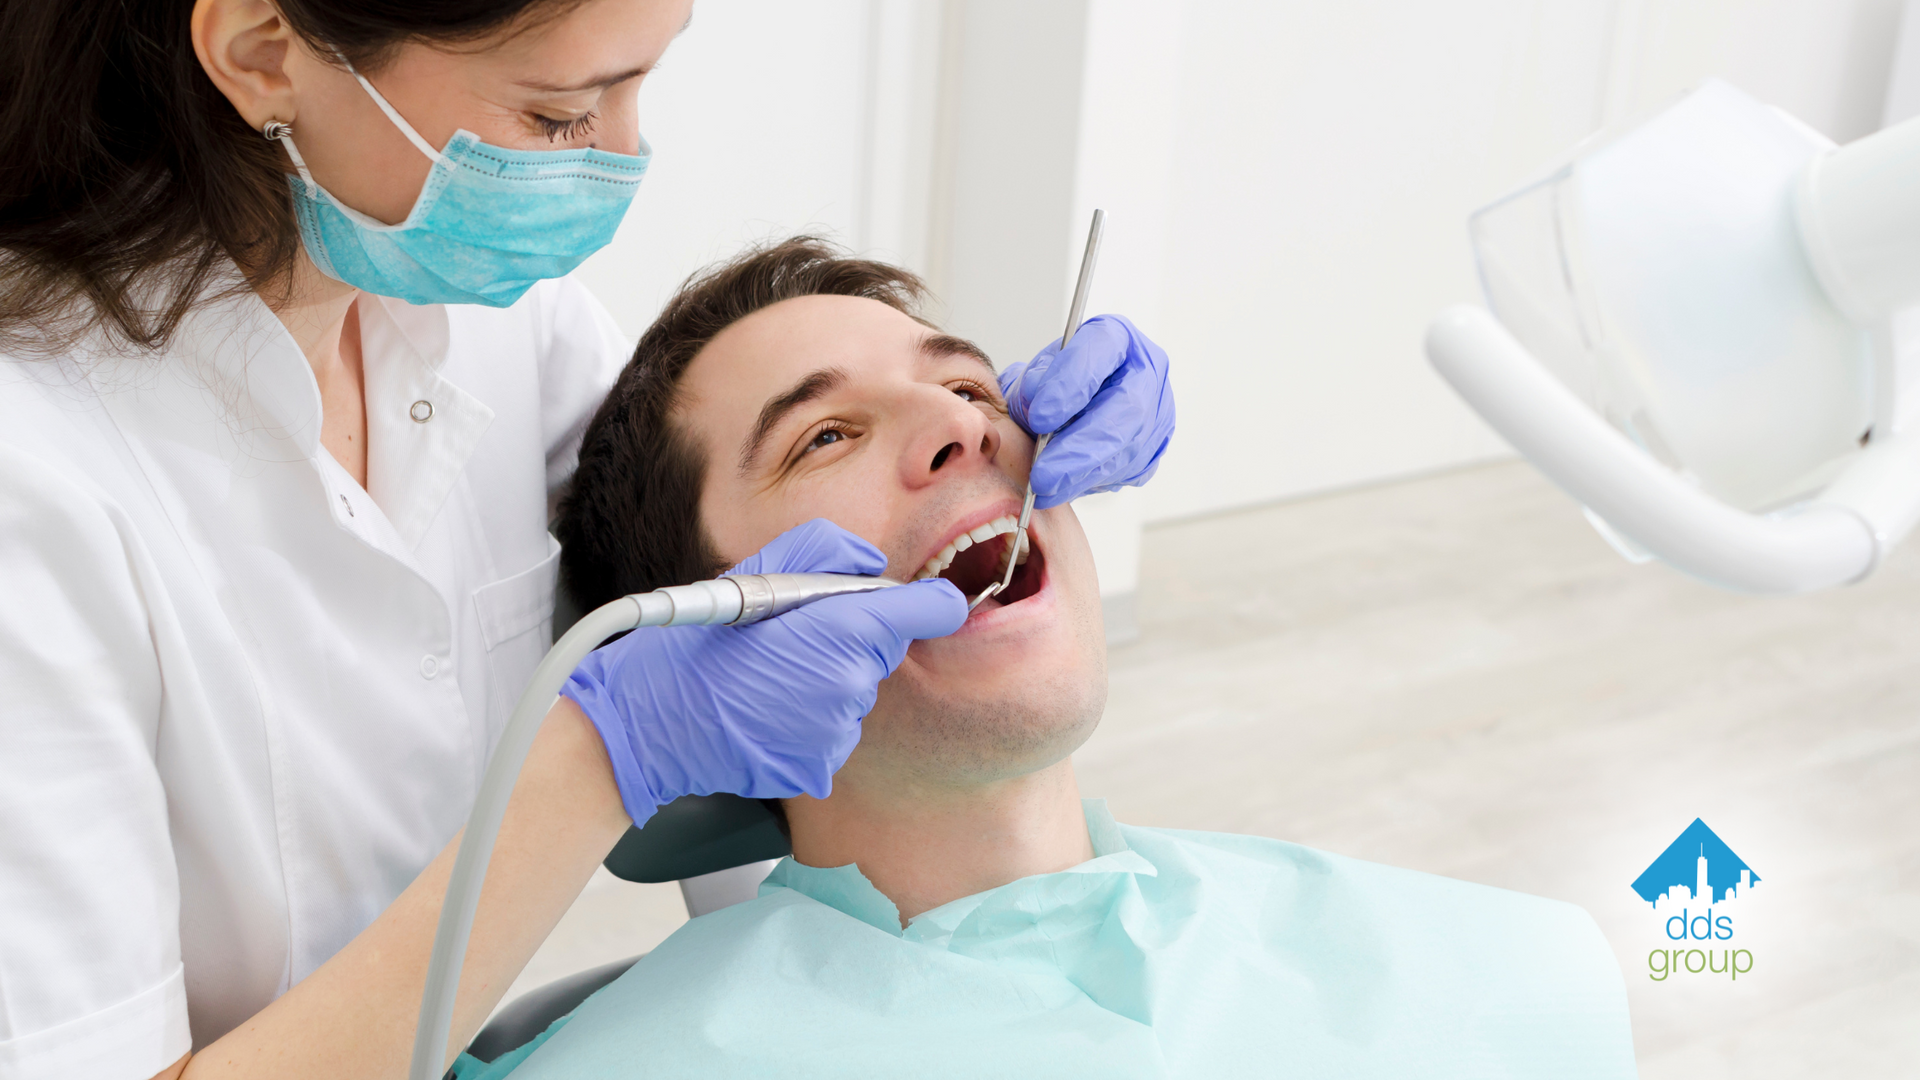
(1074, 313)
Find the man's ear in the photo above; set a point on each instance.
(243, 46)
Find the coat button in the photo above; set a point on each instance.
(429, 666)
(422, 411)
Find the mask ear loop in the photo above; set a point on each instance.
(393, 114)
(274, 129)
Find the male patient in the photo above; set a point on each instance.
(954, 908)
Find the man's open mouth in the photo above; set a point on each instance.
(978, 557)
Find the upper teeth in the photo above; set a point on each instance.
(997, 527)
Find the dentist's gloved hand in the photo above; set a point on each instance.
(1106, 399)
(769, 710)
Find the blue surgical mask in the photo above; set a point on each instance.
(489, 222)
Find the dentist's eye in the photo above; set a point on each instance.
(568, 130)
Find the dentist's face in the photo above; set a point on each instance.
(568, 82)
(844, 408)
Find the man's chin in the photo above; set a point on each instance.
(1022, 700)
(982, 733)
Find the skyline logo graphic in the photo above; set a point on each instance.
(1693, 886)
(1698, 867)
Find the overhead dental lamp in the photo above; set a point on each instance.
(1706, 329)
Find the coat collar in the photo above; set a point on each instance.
(242, 354)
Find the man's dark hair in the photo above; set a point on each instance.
(631, 521)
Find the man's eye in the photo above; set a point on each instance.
(825, 438)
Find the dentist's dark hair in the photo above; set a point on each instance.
(127, 181)
(630, 522)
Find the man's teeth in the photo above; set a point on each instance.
(997, 527)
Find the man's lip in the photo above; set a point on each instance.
(973, 521)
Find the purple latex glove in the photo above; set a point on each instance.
(1106, 399)
(769, 710)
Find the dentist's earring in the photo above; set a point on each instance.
(276, 130)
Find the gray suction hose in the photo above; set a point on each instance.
(735, 600)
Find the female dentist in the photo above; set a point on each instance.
(290, 372)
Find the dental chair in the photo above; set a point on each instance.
(718, 847)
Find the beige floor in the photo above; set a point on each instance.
(1456, 675)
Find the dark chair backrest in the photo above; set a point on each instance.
(534, 1012)
(698, 834)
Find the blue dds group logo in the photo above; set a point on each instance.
(1696, 884)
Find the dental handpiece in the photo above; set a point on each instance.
(739, 599)
(1075, 312)
(734, 600)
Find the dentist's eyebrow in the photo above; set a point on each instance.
(813, 385)
(941, 346)
(604, 81)
(597, 82)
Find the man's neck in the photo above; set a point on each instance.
(923, 845)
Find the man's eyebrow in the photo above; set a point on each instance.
(810, 386)
(597, 82)
(938, 346)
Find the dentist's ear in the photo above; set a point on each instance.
(243, 47)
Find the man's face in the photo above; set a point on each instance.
(843, 408)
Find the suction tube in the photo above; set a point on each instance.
(726, 601)
(1817, 546)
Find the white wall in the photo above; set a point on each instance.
(1826, 61)
(1326, 158)
(769, 118)
(759, 121)
(1009, 127)
(1288, 180)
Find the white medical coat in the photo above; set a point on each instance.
(243, 702)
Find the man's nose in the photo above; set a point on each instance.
(956, 436)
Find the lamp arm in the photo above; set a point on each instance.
(1820, 545)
